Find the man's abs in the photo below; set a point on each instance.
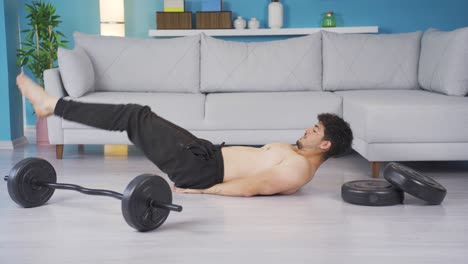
(242, 161)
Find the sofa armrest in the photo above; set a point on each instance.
(53, 86)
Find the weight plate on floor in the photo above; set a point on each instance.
(415, 183)
(371, 193)
(136, 202)
(22, 179)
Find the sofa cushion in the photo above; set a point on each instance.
(366, 61)
(76, 70)
(293, 64)
(443, 66)
(263, 111)
(406, 116)
(143, 65)
(183, 109)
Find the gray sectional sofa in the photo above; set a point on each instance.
(404, 95)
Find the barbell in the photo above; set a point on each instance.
(146, 201)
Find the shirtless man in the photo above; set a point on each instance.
(196, 165)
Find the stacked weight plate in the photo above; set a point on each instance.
(400, 179)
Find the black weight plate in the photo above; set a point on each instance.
(415, 183)
(371, 193)
(137, 198)
(21, 181)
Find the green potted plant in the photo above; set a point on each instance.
(39, 48)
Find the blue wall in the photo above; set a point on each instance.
(11, 113)
(140, 16)
(392, 16)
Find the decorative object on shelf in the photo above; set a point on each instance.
(329, 19)
(275, 14)
(254, 23)
(174, 20)
(112, 16)
(39, 48)
(174, 6)
(214, 20)
(211, 5)
(240, 23)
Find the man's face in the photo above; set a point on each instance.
(313, 139)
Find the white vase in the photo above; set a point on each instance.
(254, 23)
(240, 23)
(275, 14)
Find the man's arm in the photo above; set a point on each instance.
(281, 178)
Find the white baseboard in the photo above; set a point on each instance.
(12, 144)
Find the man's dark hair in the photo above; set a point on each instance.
(338, 132)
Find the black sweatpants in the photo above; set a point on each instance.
(190, 162)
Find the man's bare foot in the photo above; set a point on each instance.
(43, 103)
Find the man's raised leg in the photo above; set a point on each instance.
(159, 139)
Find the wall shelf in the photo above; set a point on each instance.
(259, 32)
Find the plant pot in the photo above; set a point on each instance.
(42, 137)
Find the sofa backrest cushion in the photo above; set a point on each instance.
(367, 61)
(76, 71)
(293, 64)
(443, 66)
(143, 65)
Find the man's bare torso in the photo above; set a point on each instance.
(242, 161)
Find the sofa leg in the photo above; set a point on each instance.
(59, 151)
(80, 148)
(375, 169)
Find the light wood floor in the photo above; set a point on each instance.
(313, 226)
